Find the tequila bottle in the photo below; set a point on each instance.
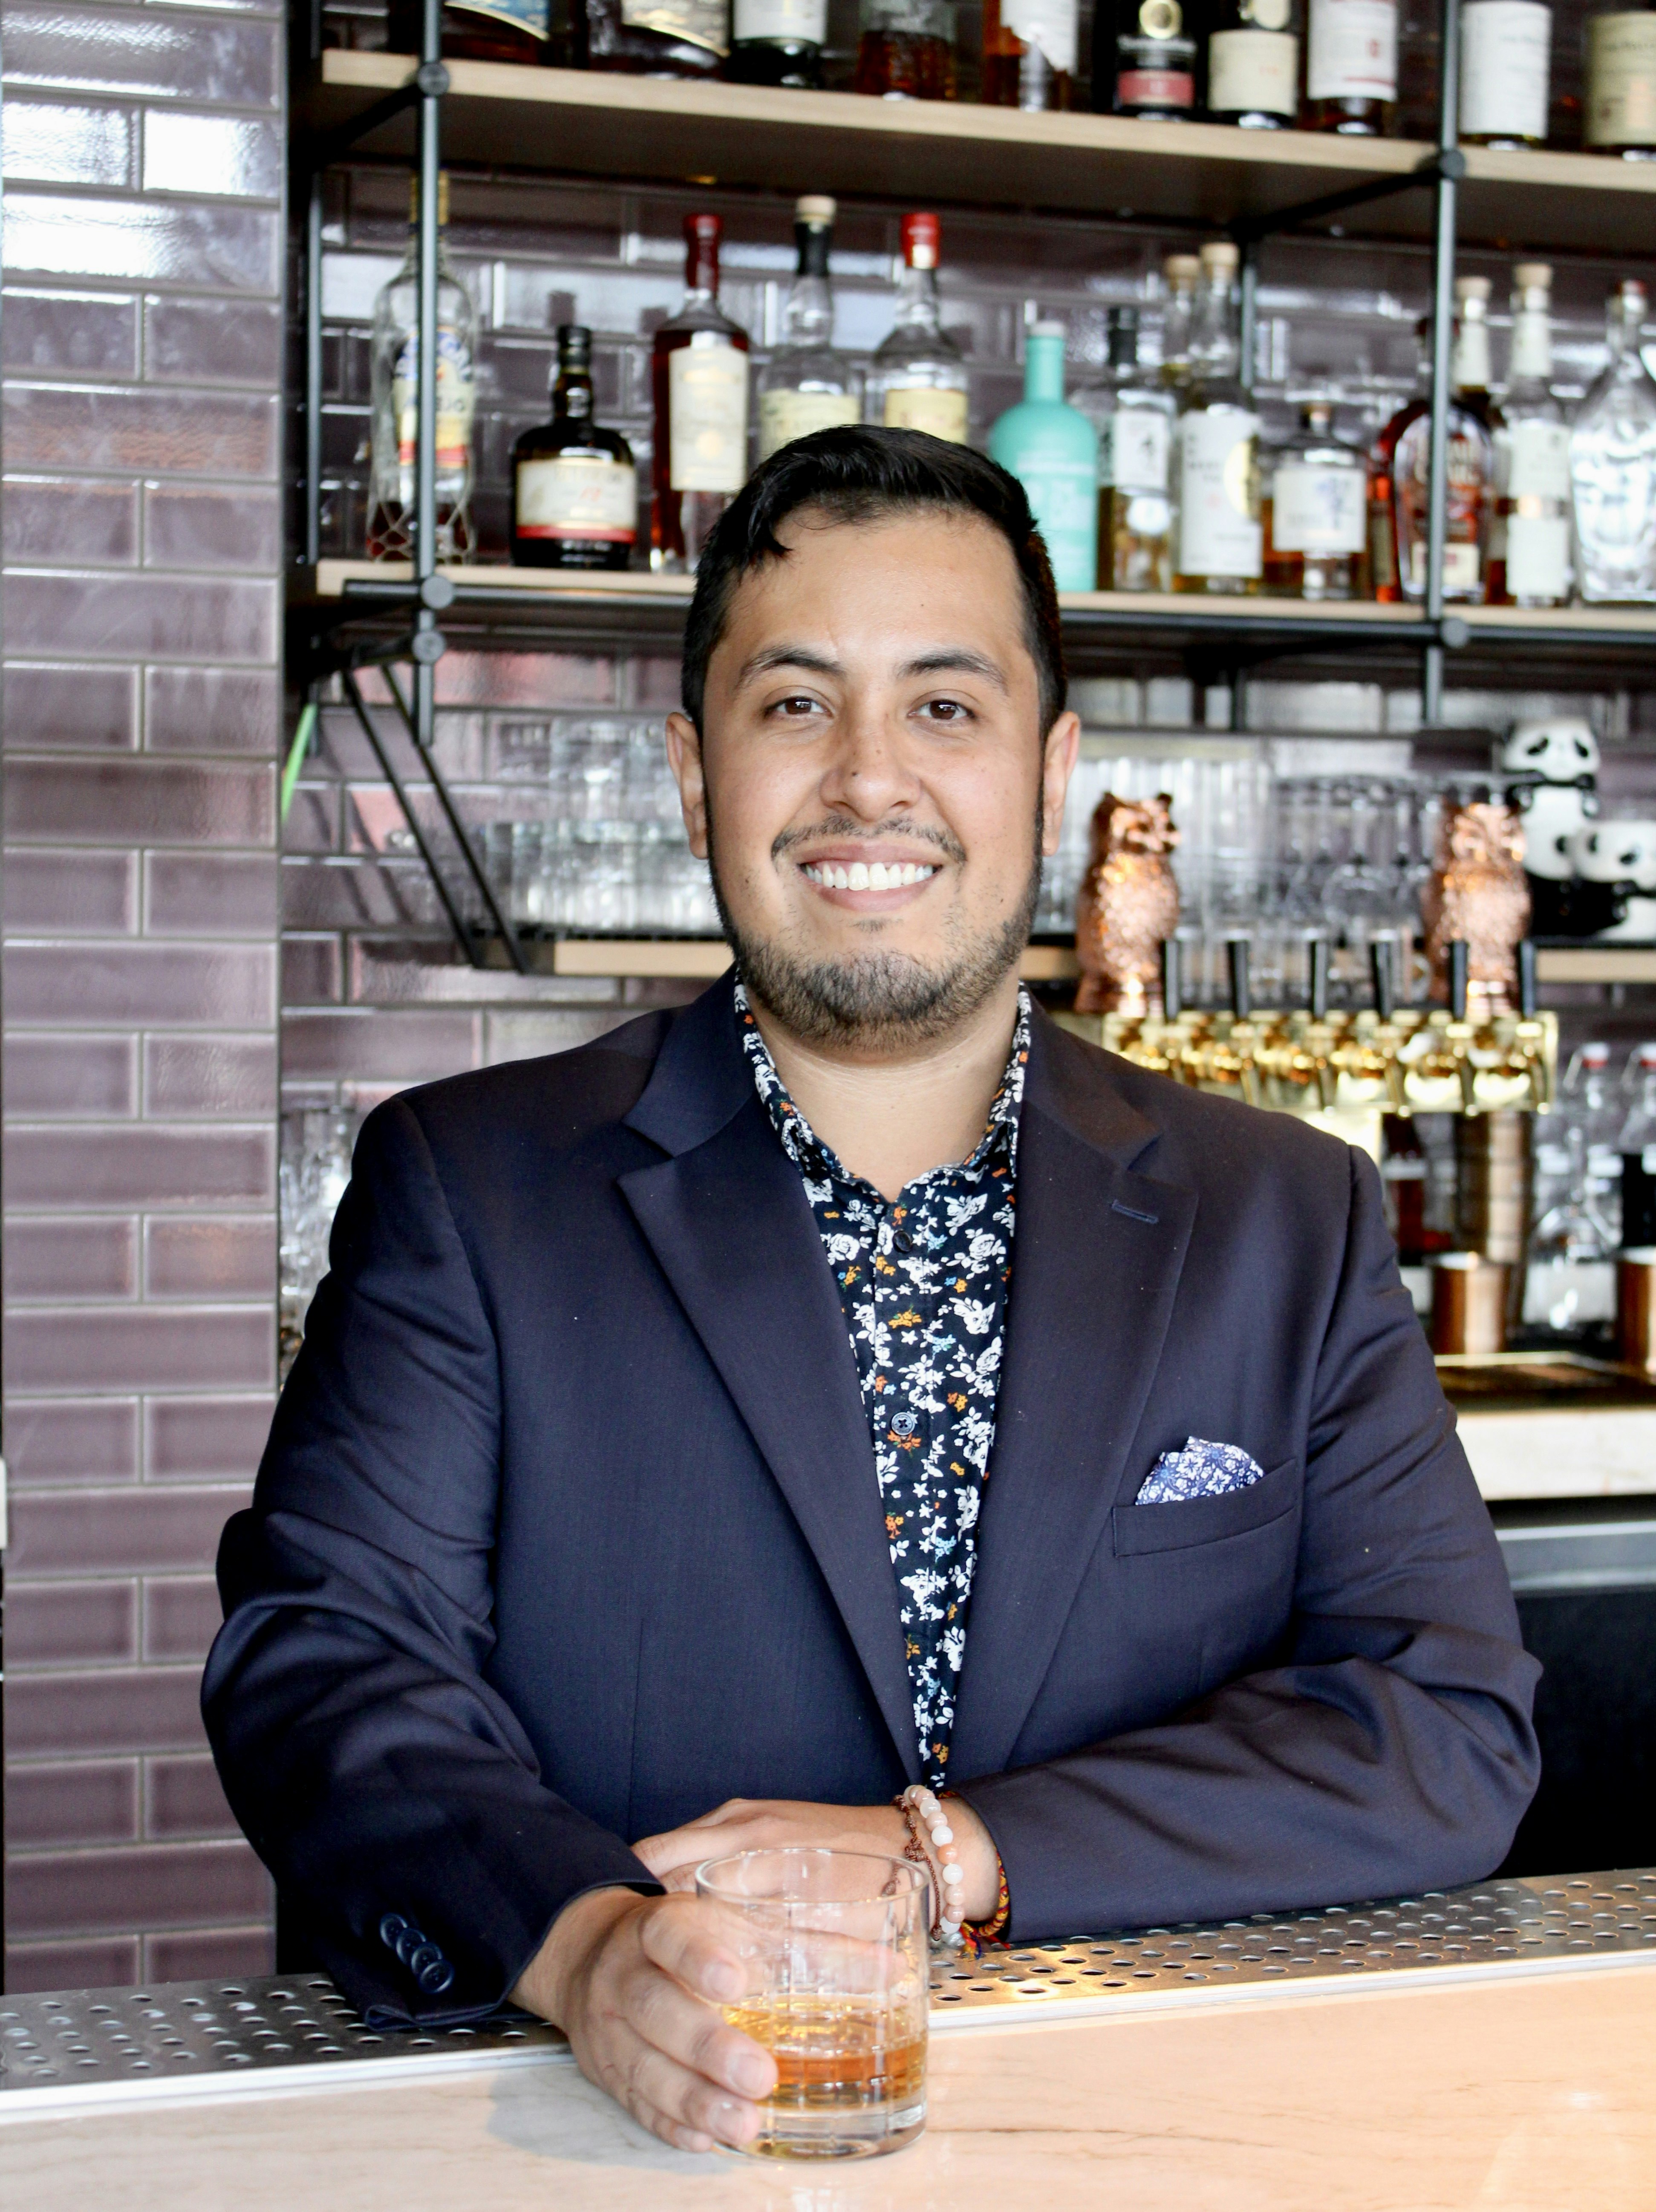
(1132, 411)
(1613, 465)
(806, 385)
(1220, 546)
(394, 355)
(699, 372)
(918, 379)
(1530, 542)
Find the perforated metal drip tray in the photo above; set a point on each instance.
(87, 2047)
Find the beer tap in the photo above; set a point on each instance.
(1388, 1038)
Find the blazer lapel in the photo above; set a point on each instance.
(727, 1218)
(1096, 1257)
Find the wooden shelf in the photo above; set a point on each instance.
(695, 957)
(1596, 963)
(598, 123)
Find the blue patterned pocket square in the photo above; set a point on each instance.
(1201, 1470)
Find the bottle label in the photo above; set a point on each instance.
(1316, 510)
(916, 19)
(697, 23)
(1048, 24)
(531, 15)
(1218, 535)
(1155, 88)
(570, 496)
(1621, 106)
(785, 416)
(925, 407)
(1506, 53)
(1134, 444)
(803, 23)
(1460, 569)
(1538, 465)
(707, 418)
(1531, 353)
(1353, 50)
(1253, 71)
(1538, 555)
(456, 399)
(1062, 493)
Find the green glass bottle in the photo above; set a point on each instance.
(1052, 451)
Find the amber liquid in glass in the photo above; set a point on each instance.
(905, 65)
(855, 2066)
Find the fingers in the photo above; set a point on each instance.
(681, 2106)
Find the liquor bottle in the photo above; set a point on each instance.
(1182, 274)
(806, 385)
(1613, 465)
(1132, 410)
(1619, 112)
(1529, 540)
(1382, 481)
(1253, 65)
(532, 32)
(1144, 59)
(1029, 50)
(917, 381)
(657, 38)
(1637, 1145)
(907, 50)
(1505, 63)
(1471, 492)
(699, 379)
(575, 489)
(778, 42)
(1351, 67)
(1215, 467)
(1053, 450)
(394, 355)
(1315, 514)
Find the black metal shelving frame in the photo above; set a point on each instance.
(387, 622)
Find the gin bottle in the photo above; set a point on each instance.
(1216, 471)
(1613, 465)
(1530, 542)
(394, 355)
(1053, 450)
(807, 386)
(918, 379)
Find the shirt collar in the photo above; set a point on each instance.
(999, 1141)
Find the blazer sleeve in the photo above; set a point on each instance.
(1391, 1751)
(389, 1789)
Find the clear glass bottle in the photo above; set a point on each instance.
(1613, 466)
(1253, 65)
(1506, 67)
(1529, 540)
(698, 375)
(1215, 469)
(1351, 67)
(1315, 513)
(1636, 1144)
(1029, 54)
(1619, 111)
(1132, 410)
(574, 489)
(907, 50)
(1051, 449)
(778, 42)
(916, 380)
(1570, 1282)
(1181, 274)
(1470, 502)
(806, 385)
(394, 354)
(1144, 59)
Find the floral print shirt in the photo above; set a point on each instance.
(923, 1281)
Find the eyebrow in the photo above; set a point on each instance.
(787, 656)
(958, 659)
(946, 659)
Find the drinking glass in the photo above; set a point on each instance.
(834, 1946)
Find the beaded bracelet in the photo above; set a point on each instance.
(928, 1822)
(977, 1933)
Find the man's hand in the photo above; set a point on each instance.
(748, 1824)
(634, 1982)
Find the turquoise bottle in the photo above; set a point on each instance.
(1052, 451)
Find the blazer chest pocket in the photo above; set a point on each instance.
(1188, 1522)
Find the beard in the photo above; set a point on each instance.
(881, 998)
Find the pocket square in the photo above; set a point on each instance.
(1201, 1470)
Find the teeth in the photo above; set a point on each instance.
(859, 876)
(868, 876)
(840, 879)
(880, 880)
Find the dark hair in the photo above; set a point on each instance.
(855, 474)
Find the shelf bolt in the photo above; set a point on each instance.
(437, 593)
(427, 645)
(431, 79)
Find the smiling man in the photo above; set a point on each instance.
(851, 1382)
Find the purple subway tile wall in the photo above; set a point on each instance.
(142, 329)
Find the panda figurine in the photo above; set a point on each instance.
(1619, 858)
(1552, 768)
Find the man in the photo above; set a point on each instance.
(850, 1380)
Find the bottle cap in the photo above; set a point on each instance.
(1219, 253)
(1122, 319)
(1472, 288)
(1047, 330)
(922, 237)
(1532, 276)
(1181, 268)
(814, 208)
(1631, 292)
(703, 229)
(442, 198)
(574, 342)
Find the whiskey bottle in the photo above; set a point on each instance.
(1386, 579)
(1028, 54)
(806, 385)
(699, 373)
(1530, 539)
(917, 380)
(1181, 273)
(1132, 410)
(575, 489)
(1051, 449)
(1506, 64)
(1216, 468)
(1315, 516)
(531, 32)
(1253, 65)
(907, 50)
(394, 370)
(657, 38)
(1351, 67)
(1144, 59)
(1619, 112)
(1613, 465)
(1470, 491)
(778, 42)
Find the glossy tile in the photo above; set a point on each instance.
(161, 432)
(139, 1164)
(73, 894)
(139, 1530)
(211, 1259)
(170, 985)
(45, 1260)
(202, 1439)
(209, 1076)
(203, 1955)
(71, 1077)
(233, 156)
(141, 802)
(157, 1348)
(177, 54)
(312, 972)
(49, 521)
(378, 1045)
(79, 709)
(101, 1963)
(190, 619)
(183, 1798)
(185, 528)
(72, 1624)
(94, 1440)
(142, 241)
(52, 142)
(212, 710)
(87, 333)
(190, 1885)
(212, 341)
(93, 1801)
(181, 1616)
(211, 894)
(106, 1709)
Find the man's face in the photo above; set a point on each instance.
(872, 775)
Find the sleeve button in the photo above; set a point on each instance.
(436, 1976)
(390, 1928)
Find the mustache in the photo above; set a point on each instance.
(844, 826)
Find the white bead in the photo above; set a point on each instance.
(951, 1874)
(943, 1835)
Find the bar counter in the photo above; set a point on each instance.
(1485, 2048)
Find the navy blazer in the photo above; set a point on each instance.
(568, 1528)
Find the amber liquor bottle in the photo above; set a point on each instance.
(907, 50)
(1028, 54)
(657, 38)
(527, 31)
(574, 491)
(699, 379)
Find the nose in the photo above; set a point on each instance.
(869, 774)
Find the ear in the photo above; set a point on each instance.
(684, 758)
(1063, 749)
